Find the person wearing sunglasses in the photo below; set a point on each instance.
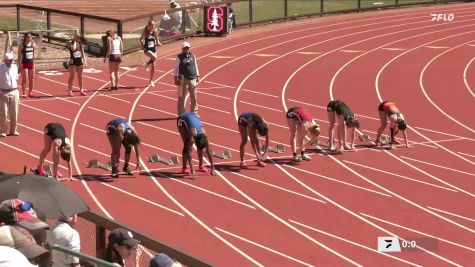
(55, 136)
(120, 246)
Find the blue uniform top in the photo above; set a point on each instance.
(118, 122)
(191, 120)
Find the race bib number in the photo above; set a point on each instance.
(77, 54)
(151, 44)
(29, 55)
(181, 123)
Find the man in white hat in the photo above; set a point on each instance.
(187, 77)
(9, 96)
(176, 17)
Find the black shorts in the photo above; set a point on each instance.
(111, 129)
(381, 106)
(115, 58)
(76, 62)
(291, 113)
(332, 106)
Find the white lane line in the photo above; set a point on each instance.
(100, 153)
(423, 89)
(336, 180)
(277, 125)
(469, 89)
(92, 127)
(32, 129)
(399, 175)
(439, 166)
(353, 243)
(465, 154)
(106, 112)
(164, 96)
(29, 154)
(46, 112)
(159, 110)
(138, 77)
(453, 214)
(264, 107)
(215, 95)
(215, 109)
(94, 78)
(443, 133)
(220, 84)
(136, 196)
(260, 93)
(278, 187)
(116, 98)
(56, 97)
(264, 247)
(419, 232)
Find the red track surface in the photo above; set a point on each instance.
(326, 212)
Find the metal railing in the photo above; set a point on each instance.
(84, 257)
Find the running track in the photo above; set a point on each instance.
(326, 212)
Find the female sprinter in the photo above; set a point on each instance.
(339, 110)
(191, 129)
(120, 132)
(76, 62)
(26, 58)
(55, 136)
(115, 51)
(301, 125)
(249, 125)
(388, 110)
(149, 40)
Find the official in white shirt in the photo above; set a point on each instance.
(9, 96)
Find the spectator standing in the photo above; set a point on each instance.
(176, 17)
(9, 96)
(187, 77)
(115, 51)
(26, 60)
(64, 234)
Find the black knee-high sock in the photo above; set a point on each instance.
(391, 130)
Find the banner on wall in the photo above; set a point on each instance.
(216, 18)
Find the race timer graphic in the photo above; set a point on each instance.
(397, 244)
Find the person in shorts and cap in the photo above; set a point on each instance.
(120, 246)
(187, 77)
(21, 240)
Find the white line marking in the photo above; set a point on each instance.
(264, 247)
(470, 90)
(277, 125)
(32, 129)
(278, 187)
(351, 51)
(421, 83)
(336, 180)
(106, 112)
(94, 78)
(436, 47)
(439, 166)
(453, 214)
(264, 107)
(439, 132)
(465, 154)
(116, 98)
(164, 96)
(398, 175)
(418, 232)
(353, 243)
(394, 49)
(215, 109)
(92, 127)
(220, 84)
(135, 76)
(159, 110)
(59, 98)
(46, 112)
(103, 154)
(30, 154)
(221, 57)
(260, 93)
(309, 53)
(215, 95)
(265, 55)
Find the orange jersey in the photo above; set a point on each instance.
(390, 108)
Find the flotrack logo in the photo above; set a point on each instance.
(442, 17)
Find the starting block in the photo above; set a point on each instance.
(367, 138)
(277, 149)
(172, 161)
(94, 163)
(225, 154)
(47, 169)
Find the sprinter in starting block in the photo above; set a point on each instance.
(388, 110)
(192, 131)
(250, 124)
(55, 137)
